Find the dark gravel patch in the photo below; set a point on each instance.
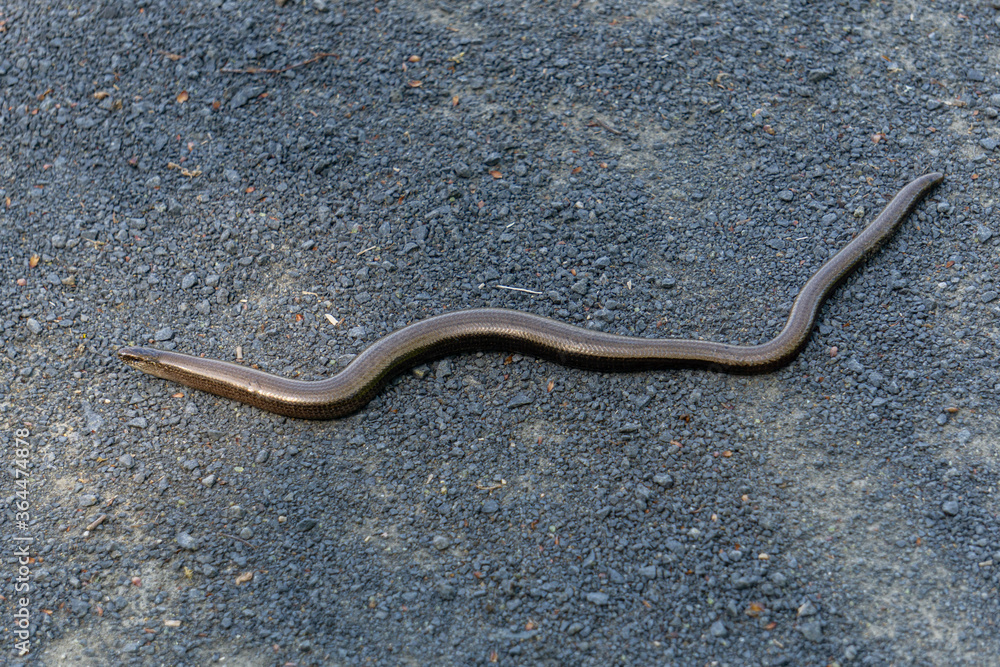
(214, 176)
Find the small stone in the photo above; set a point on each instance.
(244, 95)
(520, 401)
(441, 542)
(88, 500)
(185, 540)
(808, 609)
(817, 75)
(126, 460)
(79, 607)
(306, 525)
(446, 591)
(598, 598)
(189, 280)
(983, 233)
(988, 296)
(164, 334)
(812, 631)
(664, 480)
(174, 207)
(491, 507)
(786, 195)
(33, 326)
(718, 629)
(950, 507)
(675, 546)
(208, 480)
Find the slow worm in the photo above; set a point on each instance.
(511, 330)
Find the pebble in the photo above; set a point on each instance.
(185, 541)
(244, 95)
(306, 525)
(663, 479)
(811, 630)
(519, 401)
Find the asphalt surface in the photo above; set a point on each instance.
(286, 184)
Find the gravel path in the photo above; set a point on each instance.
(288, 182)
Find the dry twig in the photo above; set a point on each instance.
(262, 70)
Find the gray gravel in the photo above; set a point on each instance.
(286, 184)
